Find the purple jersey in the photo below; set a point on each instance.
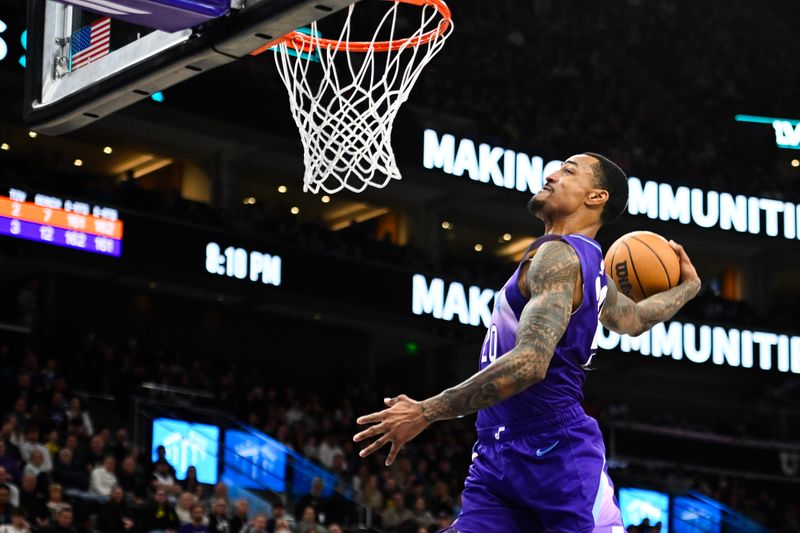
(562, 387)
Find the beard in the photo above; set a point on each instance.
(535, 206)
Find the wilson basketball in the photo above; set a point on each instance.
(642, 263)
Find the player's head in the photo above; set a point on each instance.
(588, 185)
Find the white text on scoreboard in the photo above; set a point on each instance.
(243, 264)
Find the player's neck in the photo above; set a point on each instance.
(570, 226)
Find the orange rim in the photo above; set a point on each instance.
(302, 42)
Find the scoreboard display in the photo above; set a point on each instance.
(52, 220)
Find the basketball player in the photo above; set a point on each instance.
(539, 463)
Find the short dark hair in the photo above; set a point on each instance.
(611, 178)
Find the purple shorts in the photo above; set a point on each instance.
(544, 475)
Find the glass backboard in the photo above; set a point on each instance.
(90, 58)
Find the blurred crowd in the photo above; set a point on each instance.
(61, 470)
(63, 467)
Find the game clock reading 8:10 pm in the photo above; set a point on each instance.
(242, 264)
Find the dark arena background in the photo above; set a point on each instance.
(166, 281)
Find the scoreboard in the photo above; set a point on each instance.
(52, 220)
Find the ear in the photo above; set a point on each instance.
(597, 197)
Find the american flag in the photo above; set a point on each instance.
(90, 43)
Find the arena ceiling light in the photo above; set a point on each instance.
(515, 249)
(344, 217)
(142, 165)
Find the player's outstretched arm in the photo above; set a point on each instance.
(552, 278)
(623, 315)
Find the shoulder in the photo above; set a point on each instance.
(554, 257)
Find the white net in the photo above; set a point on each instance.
(344, 101)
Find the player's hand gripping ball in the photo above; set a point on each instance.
(643, 263)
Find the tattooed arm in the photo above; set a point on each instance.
(552, 277)
(623, 315)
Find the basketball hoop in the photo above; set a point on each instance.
(345, 115)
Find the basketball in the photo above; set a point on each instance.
(642, 263)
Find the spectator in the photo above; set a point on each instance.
(31, 443)
(198, 523)
(278, 513)
(161, 457)
(72, 444)
(79, 418)
(311, 448)
(220, 492)
(5, 505)
(58, 408)
(184, 507)
(63, 522)
(314, 499)
(68, 473)
(259, 525)
(159, 516)
(32, 501)
(52, 443)
(328, 450)
(17, 524)
(97, 451)
(339, 466)
(441, 499)
(36, 464)
(219, 521)
(14, 491)
(103, 479)
(48, 374)
(191, 484)
(282, 526)
(122, 445)
(397, 513)
(309, 522)
(164, 479)
(241, 514)
(8, 462)
(22, 419)
(130, 479)
(115, 515)
(443, 519)
(371, 496)
(420, 514)
(335, 528)
(56, 502)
